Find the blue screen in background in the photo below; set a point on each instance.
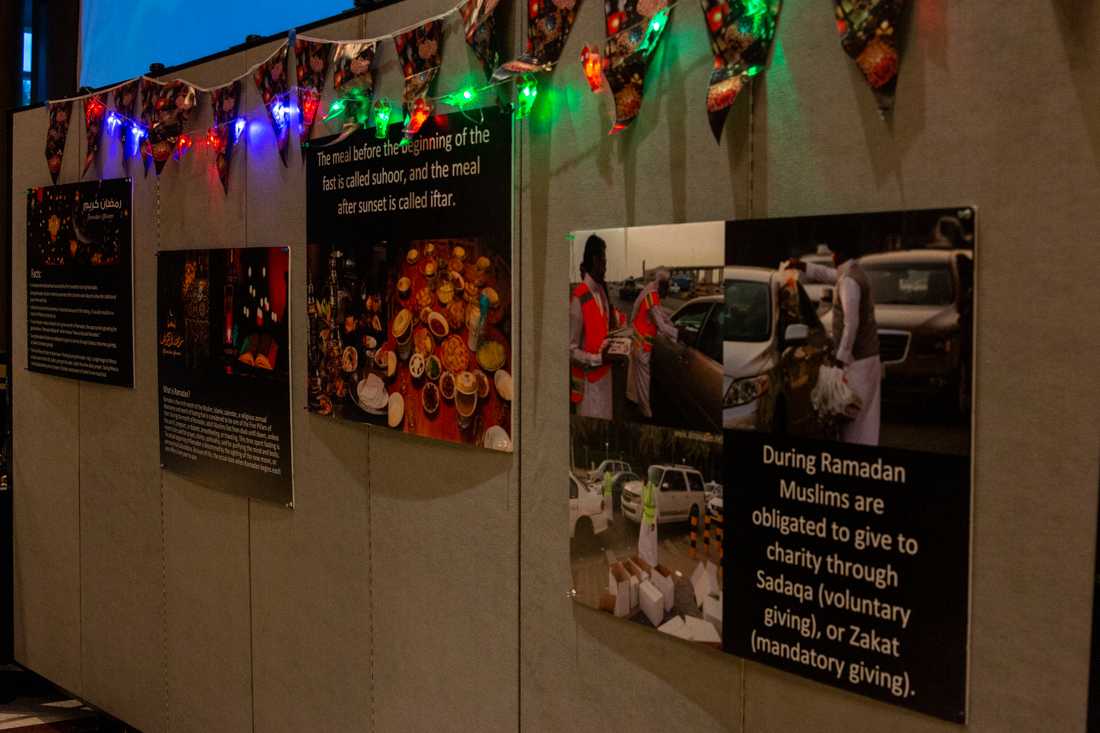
(120, 39)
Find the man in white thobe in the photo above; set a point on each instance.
(855, 335)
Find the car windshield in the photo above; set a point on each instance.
(655, 476)
(911, 284)
(748, 311)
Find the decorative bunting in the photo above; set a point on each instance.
(592, 65)
(421, 54)
(166, 109)
(94, 111)
(479, 23)
(270, 78)
(741, 33)
(352, 66)
(226, 102)
(311, 59)
(867, 34)
(60, 113)
(634, 28)
(126, 97)
(548, 26)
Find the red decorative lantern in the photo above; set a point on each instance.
(593, 68)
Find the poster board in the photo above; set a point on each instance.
(80, 281)
(410, 287)
(845, 452)
(223, 368)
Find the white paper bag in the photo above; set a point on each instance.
(652, 602)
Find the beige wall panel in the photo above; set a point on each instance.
(46, 442)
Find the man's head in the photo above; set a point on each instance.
(594, 262)
(662, 279)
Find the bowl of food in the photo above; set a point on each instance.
(447, 385)
(412, 256)
(404, 287)
(416, 366)
(503, 382)
(482, 384)
(491, 355)
(350, 359)
(465, 397)
(396, 409)
(429, 270)
(429, 249)
(459, 253)
(422, 340)
(437, 322)
(433, 368)
(456, 314)
(368, 342)
(482, 263)
(401, 329)
(455, 354)
(424, 297)
(497, 438)
(446, 293)
(430, 398)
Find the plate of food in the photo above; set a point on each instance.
(350, 359)
(455, 355)
(430, 398)
(371, 395)
(422, 341)
(491, 355)
(437, 322)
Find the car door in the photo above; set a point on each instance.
(671, 389)
(799, 363)
(673, 499)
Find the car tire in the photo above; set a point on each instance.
(584, 537)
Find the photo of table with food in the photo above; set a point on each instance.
(415, 336)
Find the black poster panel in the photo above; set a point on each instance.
(80, 281)
(224, 368)
(410, 279)
(847, 410)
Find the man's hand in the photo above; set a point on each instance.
(605, 349)
(795, 264)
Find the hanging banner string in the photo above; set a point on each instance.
(392, 34)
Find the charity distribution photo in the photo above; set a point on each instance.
(645, 498)
(856, 328)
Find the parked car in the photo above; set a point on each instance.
(714, 498)
(923, 306)
(586, 517)
(682, 283)
(774, 344)
(595, 476)
(686, 373)
(629, 289)
(679, 488)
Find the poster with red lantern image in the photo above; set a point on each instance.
(223, 366)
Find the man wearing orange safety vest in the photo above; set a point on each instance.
(648, 319)
(591, 319)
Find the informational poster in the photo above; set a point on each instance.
(846, 353)
(410, 279)
(80, 281)
(645, 363)
(223, 346)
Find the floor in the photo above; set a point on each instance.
(29, 704)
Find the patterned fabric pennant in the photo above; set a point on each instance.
(479, 23)
(166, 112)
(741, 33)
(353, 78)
(271, 80)
(867, 34)
(421, 53)
(311, 59)
(60, 114)
(634, 28)
(226, 103)
(94, 111)
(126, 97)
(548, 26)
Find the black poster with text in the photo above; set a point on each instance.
(80, 281)
(848, 345)
(224, 368)
(409, 271)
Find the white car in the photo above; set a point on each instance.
(714, 499)
(586, 516)
(679, 488)
(594, 477)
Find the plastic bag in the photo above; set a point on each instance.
(832, 395)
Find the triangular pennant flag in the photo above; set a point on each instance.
(479, 24)
(741, 33)
(634, 28)
(126, 97)
(868, 33)
(226, 103)
(94, 111)
(270, 78)
(171, 106)
(548, 26)
(421, 53)
(311, 58)
(60, 114)
(353, 78)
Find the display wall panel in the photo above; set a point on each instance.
(46, 485)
